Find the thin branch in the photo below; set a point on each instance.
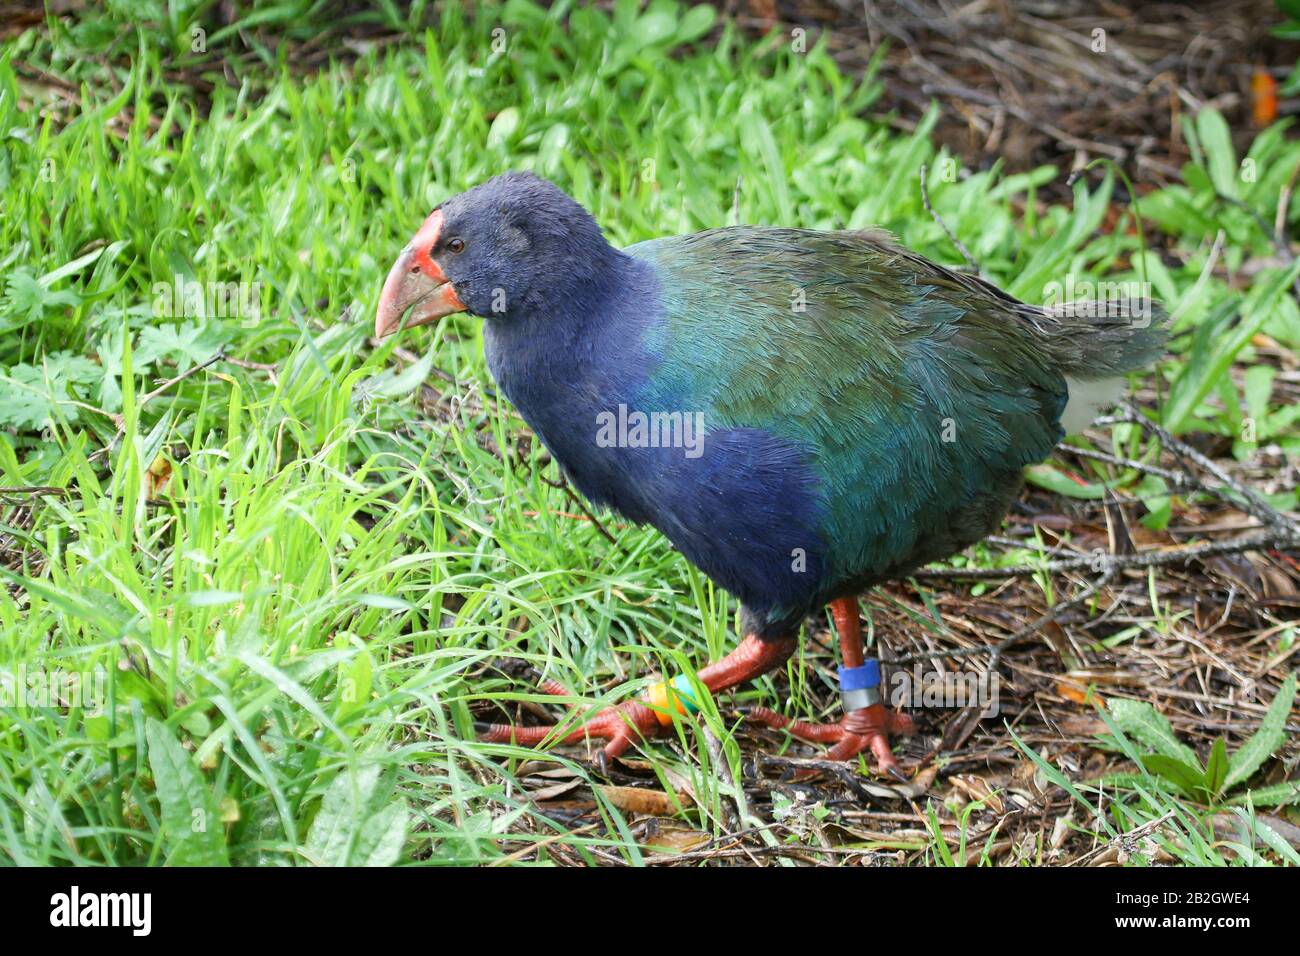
(1250, 501)
(865, 790)
(1029, 630)
(1172, 477)
(952, 237)
(1128, 838)
(146, 399)
(192, 370)
(577, 499)
(1101, 562)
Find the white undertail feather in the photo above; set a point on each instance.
(1087, 399)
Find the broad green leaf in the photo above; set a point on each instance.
(756, 134)
(396, 384)
(1159, 503)
(657, 25)
(191, 828)
(697, 22)
(354, 678)
(1216, 140)
(1186, 778)
(1290, 7)
(29, 299)
(1276, 795)
(1216, 767)
(1291, 86)
(359, 822)
(1271, 837)
(35, 396)
(186, 344)
(1053, 479)
(554, 147)
(1270, 735)
(1142, 721)
(1217, 343)
(503, 128)
(25, 399)
(1050, 259)
(1257, 389)
(71, 268)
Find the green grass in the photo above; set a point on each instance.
(293, 626)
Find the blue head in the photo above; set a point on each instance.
(510, 249)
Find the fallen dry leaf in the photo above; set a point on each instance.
(156, 478)
(664, 836)
(1081, 725)
(1080, 694)
(977, 788)
(653, 803)
(1263, 98)
(1061, 831)
(553, 791)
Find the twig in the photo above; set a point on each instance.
(577, 499)
(779, 849)
(193, 369)
(966, 93)
(1029, 630)
(1103, 562)
(1172, 477)
(719, 759)
(1283, 205)
(866, 791)
(146, 399)
(1129, 837)
(1250, 502)
(252, 366)
(952, 237)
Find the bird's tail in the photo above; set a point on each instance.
(1096, 343)
(1103, 339)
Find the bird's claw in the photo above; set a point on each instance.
(859, 731)
(618, 726)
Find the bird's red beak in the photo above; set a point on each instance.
(417, 283)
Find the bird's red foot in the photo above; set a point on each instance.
(635, 720)
(619, 726)
(858, 730)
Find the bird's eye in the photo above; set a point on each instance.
(456, 245)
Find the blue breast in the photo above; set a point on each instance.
(739, 503)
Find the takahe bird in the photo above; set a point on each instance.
(803, 414)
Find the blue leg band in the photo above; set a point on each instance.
(860, 686)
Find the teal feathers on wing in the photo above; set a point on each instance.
(916, 395)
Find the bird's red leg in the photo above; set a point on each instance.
(621, 726)
(862, 727)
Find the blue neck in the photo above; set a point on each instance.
(584, 355)
(586, 347)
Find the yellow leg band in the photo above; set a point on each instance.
(675, 698)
